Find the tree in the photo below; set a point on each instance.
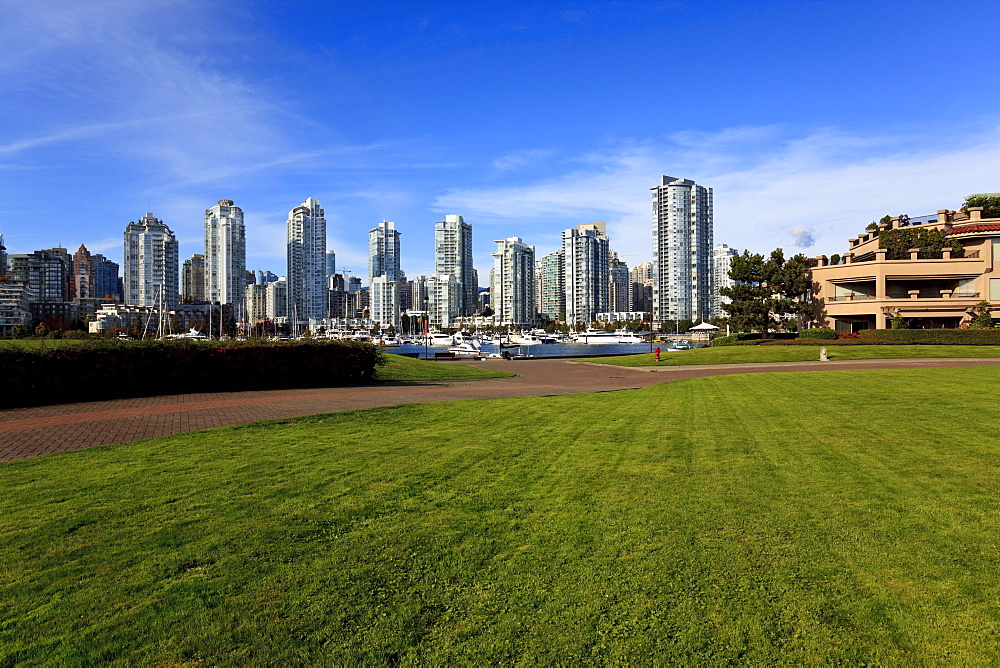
(41, 329)
(487, 312)
(791, 284)
(768, 291)
(748, 296)
(982, 318)
(990, 203)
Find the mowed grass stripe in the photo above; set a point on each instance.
(840, 516)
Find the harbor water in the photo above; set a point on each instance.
(547, 349)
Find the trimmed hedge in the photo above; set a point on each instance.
(106, 369)
(818, 333)
(959, 337)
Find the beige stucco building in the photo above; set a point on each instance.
(865, 290)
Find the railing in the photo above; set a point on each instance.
(860, 298)
(870, 257)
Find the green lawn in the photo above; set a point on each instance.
(749, 354)
(827, 517)
(398, 367)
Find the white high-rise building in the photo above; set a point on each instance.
(512, 282)
(225, 254)
(306, 279)
(383, 251)
(444, 298)
(276, 299)
(453, 255)
(384, 274)
(552, 275)
(586, 253)
(682, 250)
(384, 301)
(722, 259)
(150, 263)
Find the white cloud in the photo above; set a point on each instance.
(804, 237)
(770, 190)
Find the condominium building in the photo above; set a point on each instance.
(722, 257)
(444, 299)
(331, 263)
(384, 274)
(193, 280)
(15, 311)
(306, 279)
(383, 294)
(150, 263)
(276, 299)
(682, 250)
(107, 278)
(586, 253)
(383, 251)
(869, 286)
(619, 292)
(453, 255)
(47, 273)
(641, 280)
(552, 280)
(225, 254)
(3, 257)
(512, 282)
(256, 303)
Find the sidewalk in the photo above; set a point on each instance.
(29, 432)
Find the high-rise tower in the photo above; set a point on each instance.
(682, 250)
(453, 255)
(150, 263)
(225, 254)
(383, 251)
(306, 242)
(722, 257)
(586, 255)
(384, 273)
(512, 282)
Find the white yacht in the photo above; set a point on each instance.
(600, 336)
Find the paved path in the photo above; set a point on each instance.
(29, 432)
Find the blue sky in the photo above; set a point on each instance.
(808, 118)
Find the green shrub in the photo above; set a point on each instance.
(968, 337)
(818, 333)
(103, 369)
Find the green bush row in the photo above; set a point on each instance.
(967, 337)
(105, 369)
(755, 338)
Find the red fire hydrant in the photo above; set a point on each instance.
(657, 352)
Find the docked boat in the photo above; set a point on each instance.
(439, 339)
(466, 349)
(600, 336)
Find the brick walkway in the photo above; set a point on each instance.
(29, 432)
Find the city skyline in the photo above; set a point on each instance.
(808, 123)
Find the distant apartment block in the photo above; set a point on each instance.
(552, 286)
(150, 270)
(225, 254)
(512, 282)
(722, 257)
(193, 280)
(306, 255)
(453, 255)
(682, 250)
(586, 254)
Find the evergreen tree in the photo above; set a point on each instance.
(748, 308)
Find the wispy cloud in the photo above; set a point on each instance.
(814, 190)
